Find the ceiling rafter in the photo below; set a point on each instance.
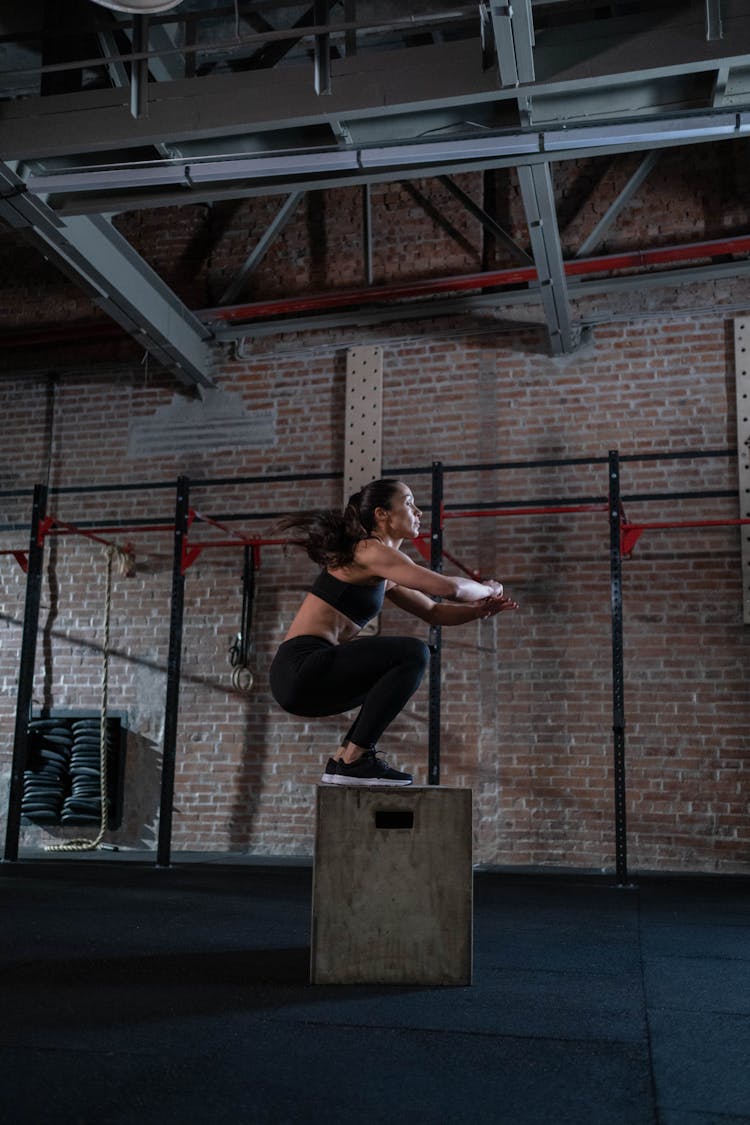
(394, 93)
(100, 261)
(645, 77)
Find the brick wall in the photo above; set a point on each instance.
(527, 712)
(527, 699)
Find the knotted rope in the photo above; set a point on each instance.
(125, 563)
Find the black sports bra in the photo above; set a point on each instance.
(359, 603)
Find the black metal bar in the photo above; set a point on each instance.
(559, 462)
(26, 674)
(436, 563)
(322, 48)
(398, 471)
(139, 68)
(350, 36)
(537, 502)
(173, 674)
(479, 506)
(618, 672)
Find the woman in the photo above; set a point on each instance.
(317, 672)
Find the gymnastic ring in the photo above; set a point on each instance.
(242, 678)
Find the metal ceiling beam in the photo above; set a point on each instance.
(93, 254)
(117, 71)
(165, 66)
(585, 74)
(440, 219)
(488, 302)
(517, 57)
(513, 31)
(139, 69)
(539, 205)
(322, 48)
(151, 185)
(623, 198)
(714, 28)
(271, 233)
(486, 220)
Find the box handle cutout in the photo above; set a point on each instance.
(394, 818)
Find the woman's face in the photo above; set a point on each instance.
(403, 515)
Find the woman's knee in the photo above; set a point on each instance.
(416, 653)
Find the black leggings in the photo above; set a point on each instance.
(312, 677)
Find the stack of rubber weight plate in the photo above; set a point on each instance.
(46, 779)
(83, 804)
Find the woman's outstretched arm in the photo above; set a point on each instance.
(381, 561)
(440, 613)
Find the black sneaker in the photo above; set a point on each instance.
(369, 770)
(329, 773)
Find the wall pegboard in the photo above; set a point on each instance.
(363, 448)
(363, 439)
(742, 383)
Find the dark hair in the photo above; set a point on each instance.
(330, 537)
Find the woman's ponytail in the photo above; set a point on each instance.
(329, 537)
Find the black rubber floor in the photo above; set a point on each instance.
(133, 994)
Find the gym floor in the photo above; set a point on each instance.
(137, 994)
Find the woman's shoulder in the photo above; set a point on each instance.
(368, 551)
(364, 564)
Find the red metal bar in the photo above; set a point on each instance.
(191, 552)
(53, 526)
(21, 557)
(577, 267)
(196, 515)
(630, 533)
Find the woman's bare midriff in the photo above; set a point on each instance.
(315, 618)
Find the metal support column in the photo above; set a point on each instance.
(589, 245)
(139, 68)
(322, 48)
(26, 673)
(274, 229)
(436, 563)
(618, 674)
(539, 204)
(742, 392)
(173, 674)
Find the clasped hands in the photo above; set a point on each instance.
(497, 602)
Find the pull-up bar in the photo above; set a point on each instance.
(51, 525)
(191, 552)
(630, 533)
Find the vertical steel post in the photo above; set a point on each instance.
(436, 563)
(618, 674)
(26, 673)
(139, 68)
(173, 674)
(322, 47)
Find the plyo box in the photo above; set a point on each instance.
(392, 885)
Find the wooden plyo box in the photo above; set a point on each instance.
(392, 886)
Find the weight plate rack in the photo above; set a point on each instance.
(62, 779)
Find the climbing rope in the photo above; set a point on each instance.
(125, 563)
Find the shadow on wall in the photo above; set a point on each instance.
(255, 705)
(141, 793)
